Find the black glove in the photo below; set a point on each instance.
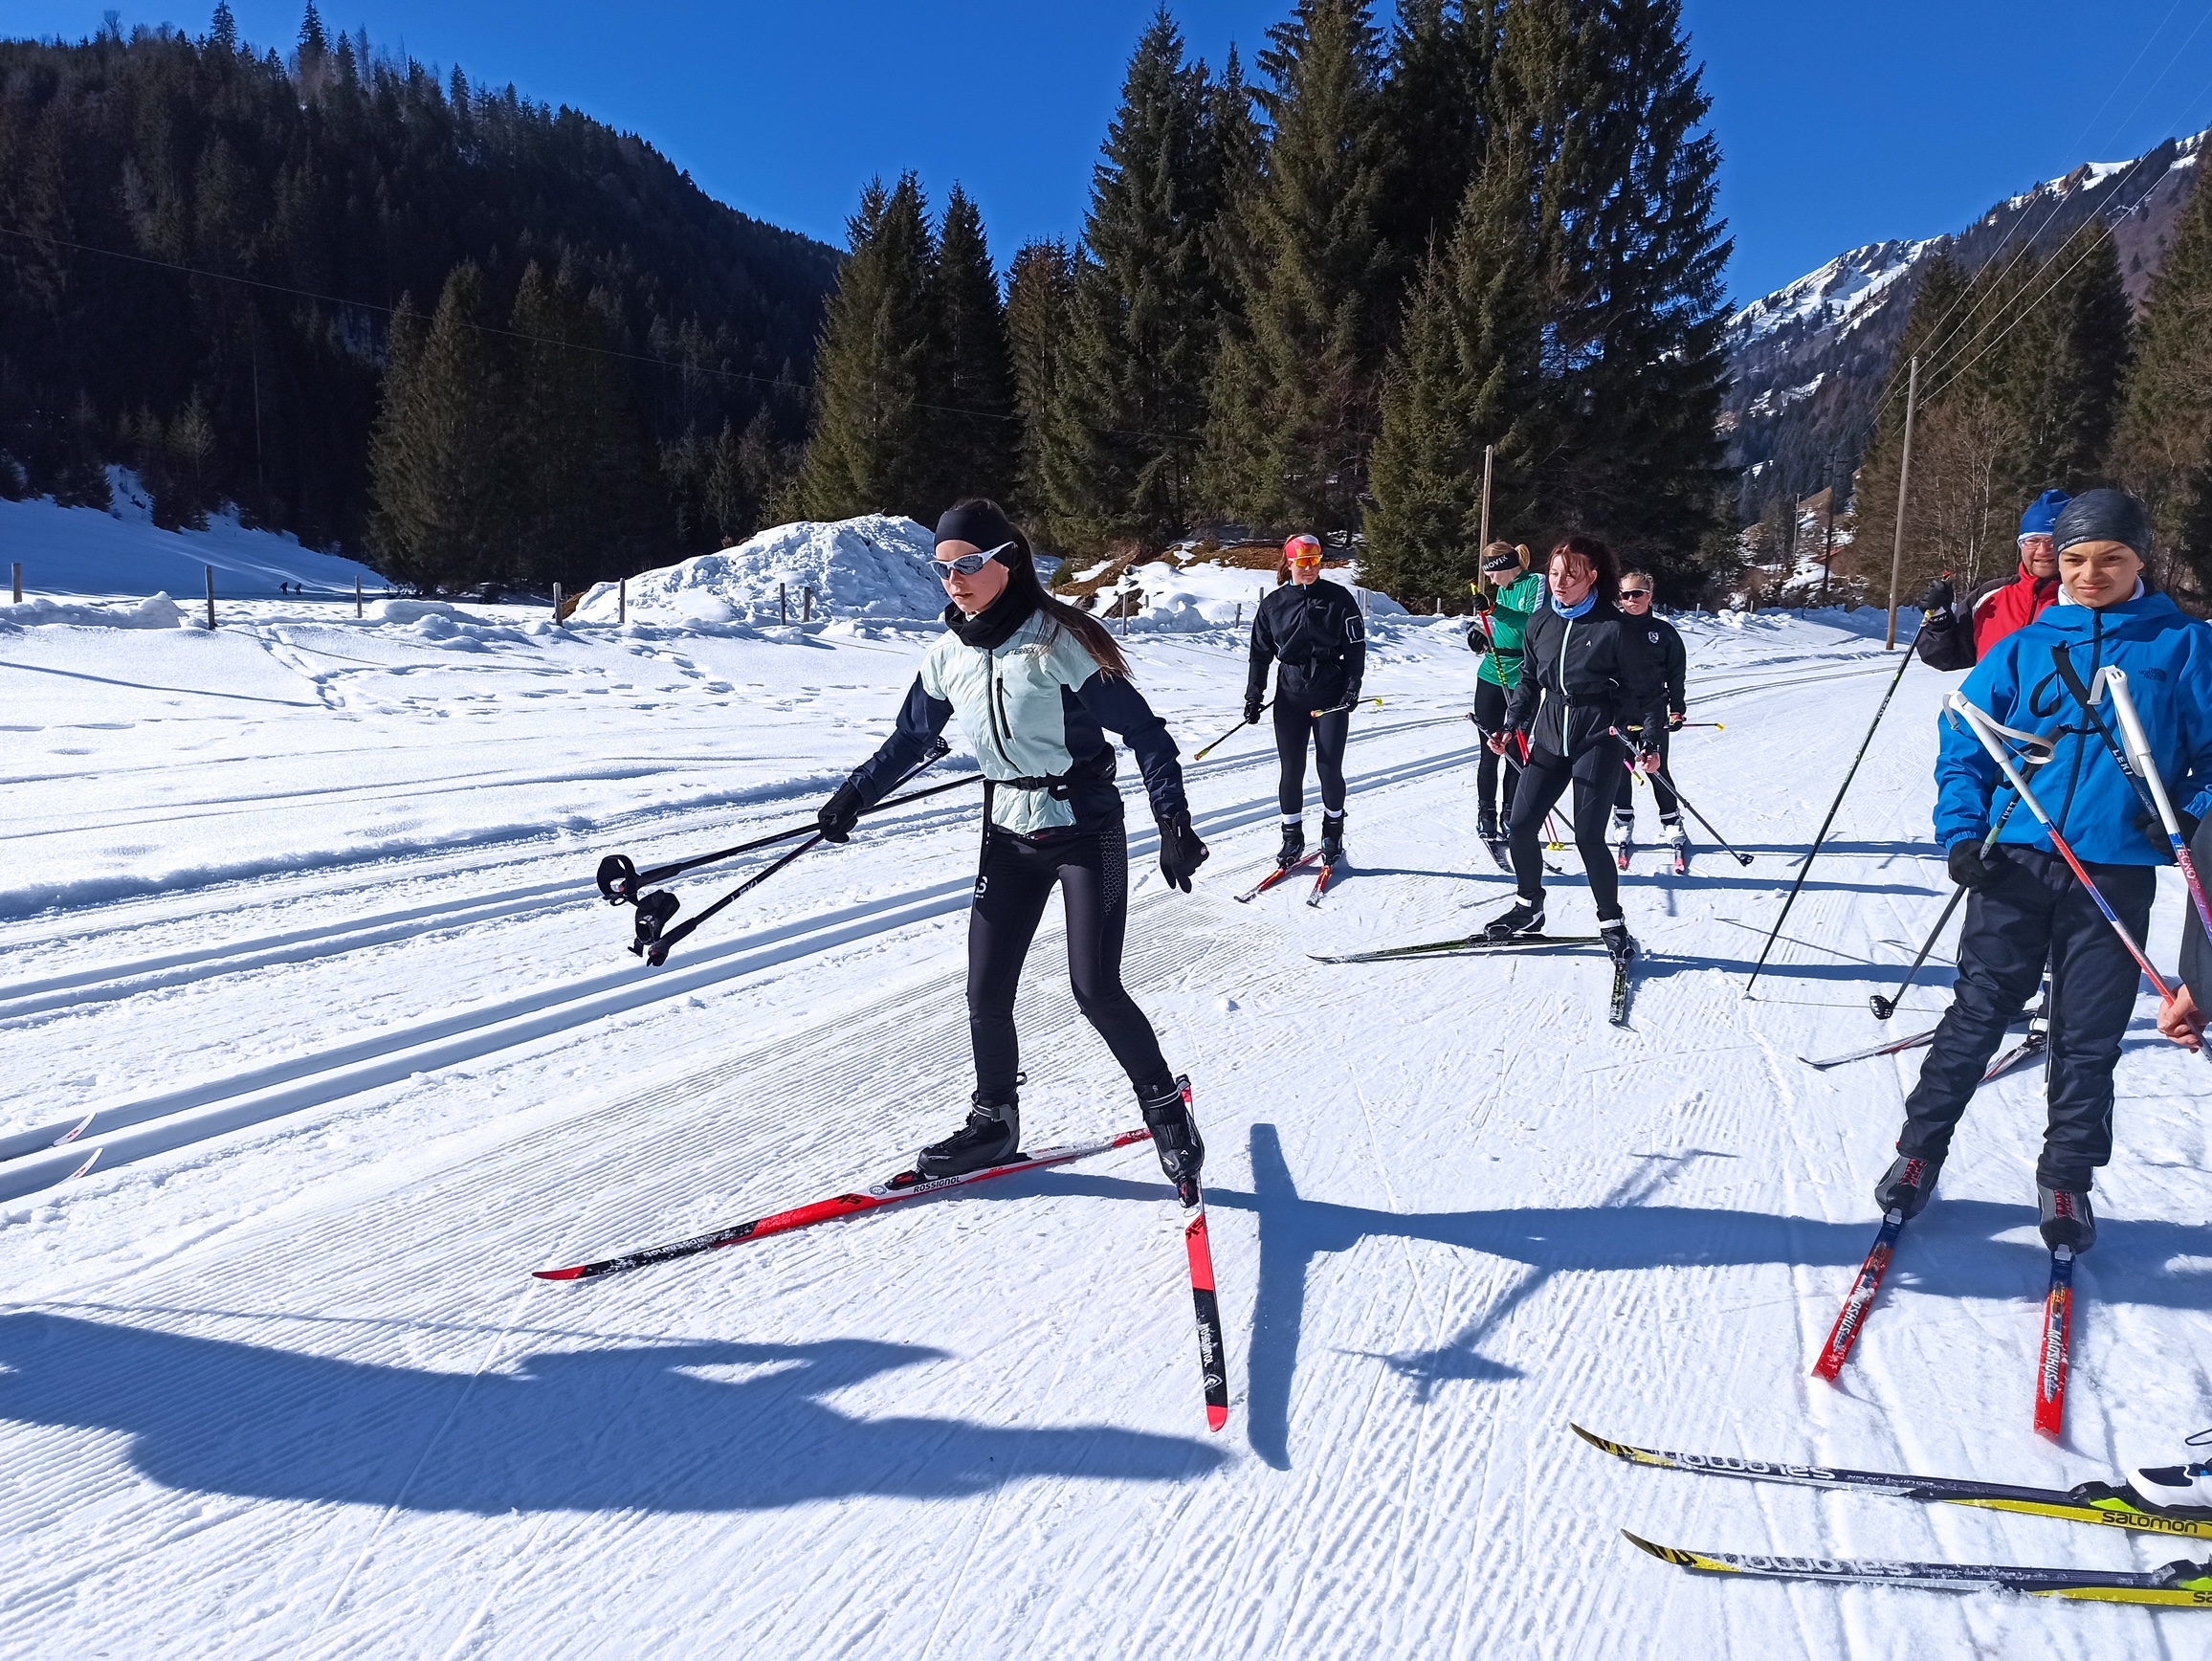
(1480, 603)
(1938, 598)
(1969, 869)
(1252, 712)
(1352, 697)
(1181, 851)
(1674, 719)
(839, 815)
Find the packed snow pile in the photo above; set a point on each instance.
(79, 551)
(873, 567)
(155, 612)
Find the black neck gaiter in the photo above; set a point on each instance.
(994, 625)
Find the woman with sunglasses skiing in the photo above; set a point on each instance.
(1037, 685)
(1666, 644)
(1313, 630)
(1588, 677)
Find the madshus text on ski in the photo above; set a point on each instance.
(2075, 757)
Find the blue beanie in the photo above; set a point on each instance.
(2040, 519)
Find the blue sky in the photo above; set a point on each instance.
(1841, 123)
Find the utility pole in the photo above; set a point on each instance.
(1489, 452)
(1828, 541)
(1903, 483)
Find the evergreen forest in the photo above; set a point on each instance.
(485, 341)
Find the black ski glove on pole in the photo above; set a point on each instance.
(1181, 851)
(1937, 600)
(1969, 868)
(1252, 712)
(839, 815)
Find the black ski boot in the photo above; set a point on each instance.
(1293, 848)
(1485, 826)
(1521, 923)
(2066, 1218)
(1614, 932)
(1332, 838)
(1907, 1185)
(991, 1136)
(1174, 1137)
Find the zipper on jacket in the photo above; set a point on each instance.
(994, 707)
(2080, 733)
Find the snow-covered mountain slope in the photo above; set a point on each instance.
(1808, 361)
(274, 1379)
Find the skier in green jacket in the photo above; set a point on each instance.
(1500, 621)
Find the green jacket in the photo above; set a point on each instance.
(1509, 622)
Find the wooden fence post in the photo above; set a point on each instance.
(357, 611)
(807, 605)
(783, 602)
(210, 571)
(622, 601)
(19, 582)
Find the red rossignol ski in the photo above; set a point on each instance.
(1213, 1357)
(906, 1185)
(1321, 885)
(1277, 875)
(2057, 1331)
(1845, 1331)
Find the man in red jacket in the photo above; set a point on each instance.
(1961, 637)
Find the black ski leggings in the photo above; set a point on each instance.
(1294, 721)
(1544, 778)
(1670, 806)
(1489, 700)
(1017, 876)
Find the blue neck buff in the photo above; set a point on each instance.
(1571, 612)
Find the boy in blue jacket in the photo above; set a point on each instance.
(2024, 905)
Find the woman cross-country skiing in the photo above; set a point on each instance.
(1036, 685)
(1500, 624)
(2024, 906)
(1660, 636)
(1588, 677)
(1313, 630)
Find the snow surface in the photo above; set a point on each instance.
(83, 551)
(313, 897)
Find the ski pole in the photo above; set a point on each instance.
(1719, 726)
(619, 881)
(1995, 745)
(2115, 682)
(1232, 733)
(1885, 1007)
(1823, 835)
(1356, 703)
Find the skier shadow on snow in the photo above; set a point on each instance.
(632, 1429)
(1953, 1250)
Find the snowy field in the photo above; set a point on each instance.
(301, 911)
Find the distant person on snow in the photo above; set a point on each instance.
(1037, 684)
(1951, 639)
(2024, 906)
(1588, 677)
(1313, 630)
(1673, 660)
(1501, 621)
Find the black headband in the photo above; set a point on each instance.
(981, 523)
(1502, 563)
(2104, 516)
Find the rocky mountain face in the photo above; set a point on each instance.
(1809, 360)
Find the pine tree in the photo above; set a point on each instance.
(974, 425)
(2165, 441)
(1603, 96)
(442, 466)
(583, 477)
(869, 448)
(223, 31)
(2073, 364)
(1148, 310)
(1434, 119)
(1292, 401)
(1468, 373)
(1040, 309)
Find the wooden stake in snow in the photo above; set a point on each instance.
(557, 605)
(19, 582)
(357, 611)
(805, 605)
(783, 602)
(210, 571)
(1489, 450)
(1903, 483)
(622, 601)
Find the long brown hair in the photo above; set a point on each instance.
(1094, 637)
(1601, 560)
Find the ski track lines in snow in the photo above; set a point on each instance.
(293, 1393)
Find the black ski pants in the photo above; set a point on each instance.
(2034, 910)
(1670, 804)
(1544, 778)
(1492, 805)
(1091, 870)
(1294, 723)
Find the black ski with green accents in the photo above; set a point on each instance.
(2181, 1584)
(1472, 945)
